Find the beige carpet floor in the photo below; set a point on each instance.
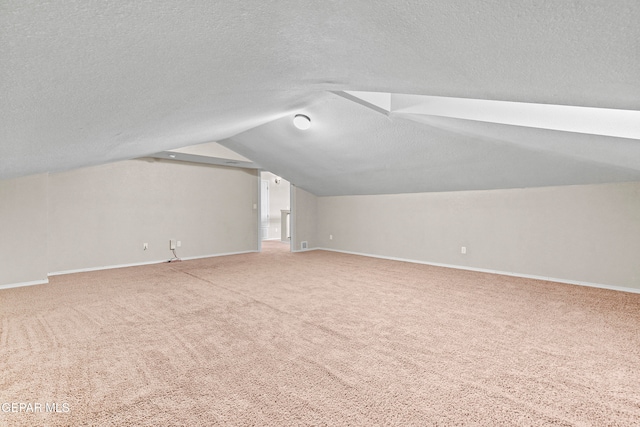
(316, 338)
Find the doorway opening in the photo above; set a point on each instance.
(275, 212)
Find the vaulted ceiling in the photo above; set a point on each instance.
(89, 82)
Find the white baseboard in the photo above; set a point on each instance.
(138, 264)
(484, 270)
(21, 284)
(459, 267)
(105, 267)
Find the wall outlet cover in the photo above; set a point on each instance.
(303, 245)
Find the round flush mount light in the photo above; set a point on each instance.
(302, 122)
(173, 156)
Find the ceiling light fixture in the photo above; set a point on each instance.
(173, 156)
(302, 122)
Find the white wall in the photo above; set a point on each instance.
(23, 221)
(100, 216)
(574, 233)
(304, 218)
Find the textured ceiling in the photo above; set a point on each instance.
(88, 82)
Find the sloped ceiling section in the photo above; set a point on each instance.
(89, 82)
(351, 149)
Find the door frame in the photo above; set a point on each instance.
(259, 210)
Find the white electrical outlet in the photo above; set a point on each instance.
(172, 244)
(145, 246)
(330, 236)
(463, 250)
(303, 245)
(179, 243)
